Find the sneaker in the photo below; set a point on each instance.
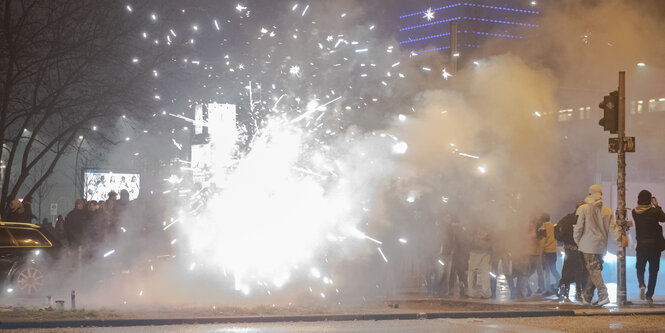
(586, 301)
(649, 300)
(642, 294)
(602, 301)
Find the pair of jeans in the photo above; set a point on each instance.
(594, 264)
(653, 258)
(549, 266)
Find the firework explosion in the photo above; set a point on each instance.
(303, 174)
(293, 199)
(297, 177)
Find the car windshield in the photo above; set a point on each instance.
(29, 237)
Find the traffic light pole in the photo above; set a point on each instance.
(621, 191)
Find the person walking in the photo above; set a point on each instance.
(595, 222)
(548, 244)
(532, 261)
(479, 262)
(573, 270)
(650, 241)
(459, 264)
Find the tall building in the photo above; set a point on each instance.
(462, 27)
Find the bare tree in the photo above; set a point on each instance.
(43, 190)
(65, 66)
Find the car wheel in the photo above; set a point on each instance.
(29, 280)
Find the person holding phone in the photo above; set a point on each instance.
(650, 241)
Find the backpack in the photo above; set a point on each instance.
(558, 232)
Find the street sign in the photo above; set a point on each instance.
(54, 208)
(628, 145)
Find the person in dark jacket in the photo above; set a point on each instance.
(75, 224)
(16, 211)
(650, 241)
(574, 269)
(28, 216)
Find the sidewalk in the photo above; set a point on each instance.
(397, 309)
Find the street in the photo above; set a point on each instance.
(553, 324)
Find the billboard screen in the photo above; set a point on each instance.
(98, 184)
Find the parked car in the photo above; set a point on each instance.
(26, 253)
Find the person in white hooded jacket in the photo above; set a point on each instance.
(595, 222)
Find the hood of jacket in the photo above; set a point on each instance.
(595, 199)
(641, 208)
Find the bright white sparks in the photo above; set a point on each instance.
(482, 169)
(468, 155)
(445, 74)
(240, 7)
(400, 148)
(429, 15)
(216, 25)
(109, 253)
(294, 70)
(382, 255)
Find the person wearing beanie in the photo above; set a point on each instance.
(650, 241)
(595, 222)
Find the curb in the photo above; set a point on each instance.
(279, 319)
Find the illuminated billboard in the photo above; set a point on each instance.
(217, 122)
(98, 184)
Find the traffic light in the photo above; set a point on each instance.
(610, 106)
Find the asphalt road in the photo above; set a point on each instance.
(650, 323)
(436, 325)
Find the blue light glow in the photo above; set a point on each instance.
(423, 38)
(471, 19)
(442, 48)
(433, 10)
(499, 35)
(503, 8)
(503, 22)
(474, 5)
(431, 23)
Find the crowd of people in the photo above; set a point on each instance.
(476, 252)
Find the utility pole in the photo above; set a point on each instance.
(614, 121)
(621, 191)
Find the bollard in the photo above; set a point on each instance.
(49, 301)
(73, 299)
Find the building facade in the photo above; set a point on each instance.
(462, 27)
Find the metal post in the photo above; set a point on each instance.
(621, 191)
